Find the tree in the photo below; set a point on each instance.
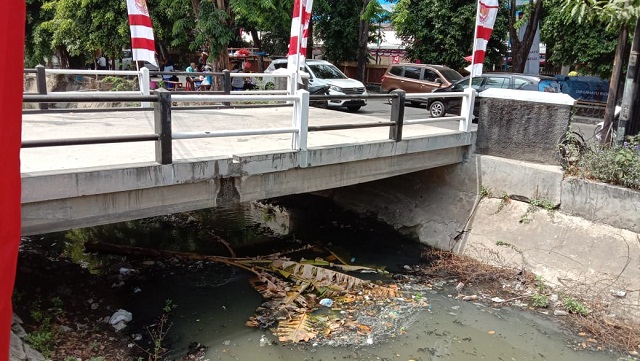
(337, 24)
(618, 14)
(592, 43)
(520, 47)
(83, 27)
(372, 13)
(37, 40)
(441, 32)
(271, 17)
(202, 25)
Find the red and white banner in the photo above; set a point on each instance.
(143, 45)
(12, 20)
(485, 18)
(299, 34)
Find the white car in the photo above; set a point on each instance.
(322, 73)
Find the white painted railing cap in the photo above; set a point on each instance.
(528, 96)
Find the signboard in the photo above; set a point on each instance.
(533, 59)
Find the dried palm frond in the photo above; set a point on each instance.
(296, 330)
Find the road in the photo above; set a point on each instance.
(39, 126)
(380, 108)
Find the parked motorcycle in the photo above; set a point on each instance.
(598, 132)
(318, 90)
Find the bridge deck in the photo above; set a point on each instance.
(73, 125)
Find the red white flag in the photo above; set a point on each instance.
(12, 20)
(299, 34)
(143, 45)
(485, 18)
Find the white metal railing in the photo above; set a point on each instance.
(466, 108)
(144, 80)
(299, 99)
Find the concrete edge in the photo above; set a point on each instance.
(520, 179)
(529, 96)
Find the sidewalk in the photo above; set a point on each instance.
(74, 125)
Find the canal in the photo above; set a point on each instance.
(212, 302)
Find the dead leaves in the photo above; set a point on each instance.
(295, 330)
(292, 289)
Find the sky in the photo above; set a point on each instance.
(386, 4)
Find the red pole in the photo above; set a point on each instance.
(12, 20)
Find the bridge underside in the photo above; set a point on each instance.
(90, 197)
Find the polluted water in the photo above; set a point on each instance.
(213, 303)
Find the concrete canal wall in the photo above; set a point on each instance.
(509, 204)
(590, 242)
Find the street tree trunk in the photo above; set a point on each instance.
(629, 117)
(257, 43)
(609, 112)
(520, 48)
(363, 41)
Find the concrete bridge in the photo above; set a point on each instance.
(86, 168)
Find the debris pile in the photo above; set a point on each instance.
(308, 303)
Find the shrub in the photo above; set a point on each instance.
(618, 164)
(116, 83)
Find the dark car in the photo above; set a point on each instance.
(438, 107)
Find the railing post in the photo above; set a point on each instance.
(41, 84)
(226, 84)
(466, 109)
(144, 81)
(162, 123)
(397, 115)
(292, 84)
(301, 122)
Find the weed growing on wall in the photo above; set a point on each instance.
(540, 298)
(574, 306)
(504, 199)
(485, 192)
(619, 164)
(536, 204)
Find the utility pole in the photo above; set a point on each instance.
(629, 122)
(609, 112)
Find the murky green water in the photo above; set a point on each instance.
(213, 313)
(215, 301)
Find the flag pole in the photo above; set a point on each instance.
(138, 71)
(299, 43)
(475, 40)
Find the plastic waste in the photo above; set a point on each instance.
(619, 293)
(121, 315)
(264, 341)
(326, 302)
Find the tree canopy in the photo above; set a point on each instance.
(592, 44)
(441, 32)
(433, 31)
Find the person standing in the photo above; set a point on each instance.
(202, 61)
(102, 62)
(190, 81)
